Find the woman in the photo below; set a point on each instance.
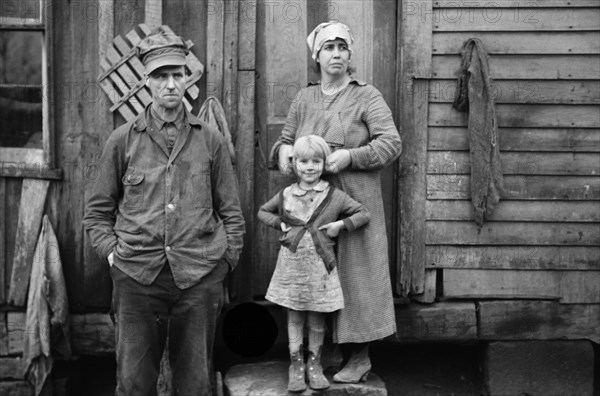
(354, 119)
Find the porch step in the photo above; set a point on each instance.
(271, 377)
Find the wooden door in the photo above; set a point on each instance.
(284, 65)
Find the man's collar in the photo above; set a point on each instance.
(352, 81)
(299, 191)
(142, 121)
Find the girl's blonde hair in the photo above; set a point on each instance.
(309, 146)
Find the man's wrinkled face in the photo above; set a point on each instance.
(167, 85)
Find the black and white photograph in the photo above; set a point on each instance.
(300, 197)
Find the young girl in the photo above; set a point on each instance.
(309, 213)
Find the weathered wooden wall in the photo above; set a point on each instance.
(542, 241)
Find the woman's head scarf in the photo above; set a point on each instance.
(327, 31)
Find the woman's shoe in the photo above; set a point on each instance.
(358, 367)
(296, 373)
(314, 372)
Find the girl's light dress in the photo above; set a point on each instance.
(301, 281)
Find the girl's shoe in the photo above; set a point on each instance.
(296, 373)
(314, 372)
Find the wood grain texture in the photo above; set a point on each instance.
(527, 91)
(512, 233)
(521, 139)
(3, 335)
(517, 3)
(15, 324)
(514, 257)
(547, 211)
(540, 67)
(538, 320)
(414, 55)
(3, 247)
(153, 13)
(11, 368)
(518, 163)
(569, 287)
(33, 197)
(525, 187)
(523, 115)
(515, 19)
(247, 35)
(429, 288)
(436, 322)
(516, 43)
(214, 49)
(16, 388)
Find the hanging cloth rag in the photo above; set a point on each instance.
(47, 319)
(474, 95)
(213, 114)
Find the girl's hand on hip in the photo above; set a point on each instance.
(338, 161)
(333, 229)
(285, 227)
(285, 160)
(111, 258)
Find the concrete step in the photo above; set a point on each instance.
(271, 378)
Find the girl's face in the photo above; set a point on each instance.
(309, 170)
(333, 58)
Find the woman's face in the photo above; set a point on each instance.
(309, 170)
(333, 58)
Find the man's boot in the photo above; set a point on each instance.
(296, 374)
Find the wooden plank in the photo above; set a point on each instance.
(33, 197)
(16, 388)
(514, 257)
(429, 290)
(520, 139)
(153, 13)
(13, 200)
(527, 91)
(516, 19)
(29, 171)
(92, 334)
(359, 17)
(513, 43)
(516, 4)
(22, 155)
(512, 233)
(541, 67)
(3, 335)
(214, 49)
(134, 71)
(230, 62)
(436, 322)
(11, 368)
(519, 187)
(247, 34)
(518, 163)
(570, 287)
(3, 246)
(523, 115)
(552, 211)
(15, 323)
(95, 278)
(414, 55)
(538, 320)
(245, 174)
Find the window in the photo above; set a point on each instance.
(24, 86)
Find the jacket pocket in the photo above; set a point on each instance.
(133, 189)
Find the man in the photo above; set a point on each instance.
(165, 213)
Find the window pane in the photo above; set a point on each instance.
(21, 89)
(18, 12)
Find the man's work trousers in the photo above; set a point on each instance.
(144, 315)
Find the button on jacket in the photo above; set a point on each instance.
(153, 208)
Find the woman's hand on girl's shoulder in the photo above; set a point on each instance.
(285, 160)
(338, 161)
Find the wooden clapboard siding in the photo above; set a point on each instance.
(523, 187)
(541, 67)
(565, 286)
(515, 19)
(579, 258)
(511, 43)
(523, 115)
(512, 233)
(527, 91)
(526, 320)
(546, 211)
(518, 163)
(512, 4)
(443, 321)
(520, 139)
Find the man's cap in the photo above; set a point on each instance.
(162, 49)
